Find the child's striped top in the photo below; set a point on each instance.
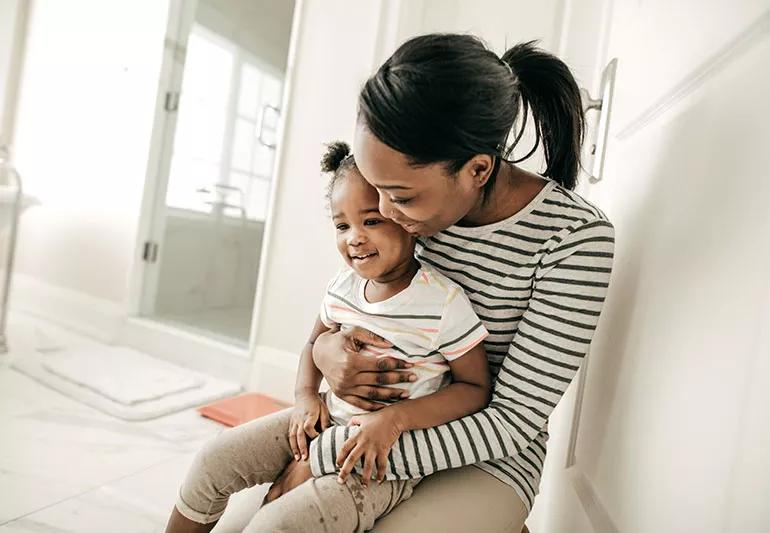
(429, 323)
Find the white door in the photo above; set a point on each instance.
(673, 434)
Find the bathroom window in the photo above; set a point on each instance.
(226, 130)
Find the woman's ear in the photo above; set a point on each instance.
(477, 170)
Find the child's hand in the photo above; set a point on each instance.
(309, 410)
(378, 431)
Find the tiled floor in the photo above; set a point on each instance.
(65, 467)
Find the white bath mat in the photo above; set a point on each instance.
(122, 382)
(121, 374)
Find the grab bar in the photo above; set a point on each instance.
(6, 167)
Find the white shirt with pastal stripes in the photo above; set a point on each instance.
(537, 281)
(429, 323)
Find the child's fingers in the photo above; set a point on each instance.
(310, 427)
(366, 475)
(382, 466)
(293, 441)
(345, 450)
(350, 463)
(301, 442)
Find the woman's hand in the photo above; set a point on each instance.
(294, 475)
(310, 414)
(358, 379)
(377, 434)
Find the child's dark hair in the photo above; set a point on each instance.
(446, 98)
(337, 160)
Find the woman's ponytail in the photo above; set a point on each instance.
(547, 88)
(447, 97)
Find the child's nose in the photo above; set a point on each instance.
(356, 237)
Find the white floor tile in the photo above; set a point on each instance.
(65, 467)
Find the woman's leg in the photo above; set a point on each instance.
(323, 505)
(237, 458)
(459, 500)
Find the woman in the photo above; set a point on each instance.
(534, 258)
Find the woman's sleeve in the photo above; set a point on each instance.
(553, 336)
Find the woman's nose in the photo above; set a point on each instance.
(386, 207)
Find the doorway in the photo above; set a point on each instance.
(220, 120)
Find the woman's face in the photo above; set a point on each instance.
(423, 200)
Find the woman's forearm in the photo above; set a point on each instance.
(450, 403)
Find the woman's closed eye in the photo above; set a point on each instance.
(401, 201)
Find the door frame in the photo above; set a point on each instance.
(151, 227)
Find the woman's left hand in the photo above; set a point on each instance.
(377, 433)
(294, 475)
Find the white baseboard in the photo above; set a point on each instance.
(274, 372)
(592, 505)
(186, 349)
(108, 322)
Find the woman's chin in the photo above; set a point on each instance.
(416, 230)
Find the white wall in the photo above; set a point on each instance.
(84, 120)
(672, 437)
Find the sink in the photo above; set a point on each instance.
(7, 201)
(12, 205)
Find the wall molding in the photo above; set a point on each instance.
(594, 508)
(274, 372)
(745, 40)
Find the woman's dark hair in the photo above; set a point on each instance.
(337, 160)
(446, 98)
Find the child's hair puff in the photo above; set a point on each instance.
(337, 160)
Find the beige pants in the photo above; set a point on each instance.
(257, 452)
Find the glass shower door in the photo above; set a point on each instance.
(219, 181)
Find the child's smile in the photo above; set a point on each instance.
(375, 247)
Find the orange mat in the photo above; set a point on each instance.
(241, 409)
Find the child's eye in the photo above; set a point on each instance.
(401, 201)
(341, 227)
(372, 222)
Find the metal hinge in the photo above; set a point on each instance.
(150, 253)
(172, 101)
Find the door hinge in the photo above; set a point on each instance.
(172, 101)
(150, 252)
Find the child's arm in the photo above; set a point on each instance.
(309, 407)
(470, 392)
(308, 376)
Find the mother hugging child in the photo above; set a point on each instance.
(463, 270)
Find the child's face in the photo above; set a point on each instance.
(370, 243)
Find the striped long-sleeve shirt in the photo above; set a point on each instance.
(537, 280)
